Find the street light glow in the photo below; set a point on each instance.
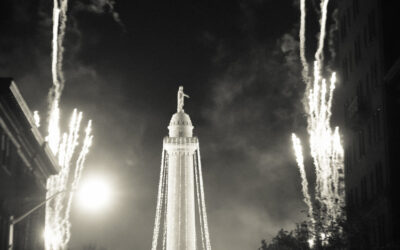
(94, 194)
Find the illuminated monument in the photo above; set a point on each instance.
(180, 191)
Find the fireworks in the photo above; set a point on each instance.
(57, 224)
(58, 209)
(300, 162)
(325, 146)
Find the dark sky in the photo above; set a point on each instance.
(238, 62)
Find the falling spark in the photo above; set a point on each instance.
(325, 145)
(36, 118)
(59, 25)
(302, 35)
(319, 56)
(300, 162)
(57, 228)
(63, 146)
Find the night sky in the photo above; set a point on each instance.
(238, 62)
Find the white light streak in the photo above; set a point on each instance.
(325, 145)
(36, 118)
(319, 56)
(57, 223)
(63, 146)
(302, 35)
(300, 162)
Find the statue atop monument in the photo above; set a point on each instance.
(181, 97)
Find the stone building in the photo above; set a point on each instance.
(368, 103)
(25, 163)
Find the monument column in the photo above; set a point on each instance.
(180, 188)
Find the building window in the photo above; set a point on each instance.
(372, 181)
(381, 230)
(365, 35)
(344, 69)
(348, 158)
(5, 152)
(354, 154)
(357, 50)
(373, 232)
(350, 56)
(364, 190)
(369, 133)
(379, 176)
(349, 197)
(356, 197)
(360, 91)
(376, 125)
(374, 73)
(368, 85)
(361, 143)
(371, 25)
(343, 28)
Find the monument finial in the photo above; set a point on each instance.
(181, 99)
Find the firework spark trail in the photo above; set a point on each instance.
(74, 135)
(325, 145)
(319, 56)
(58, 209)
(300, 162)
(87, 142)
(59, 24)
(160, 196)
(302, 35)
(53, 137)
(54, 69)
(57, 225)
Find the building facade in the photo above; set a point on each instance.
(368, 106)
(25, 164)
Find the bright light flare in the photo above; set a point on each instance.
(36, 118)
(325, 144)
(94, 194)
